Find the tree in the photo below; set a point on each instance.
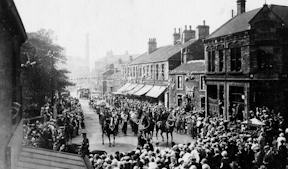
(43, 78)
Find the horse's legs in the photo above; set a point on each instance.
(102, 138)
(113, 140)
(162, 135)
(167, 137)
(109, 139)
(171, 136)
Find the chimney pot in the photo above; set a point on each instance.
(204, 22)
(241, 5)
(174, 30)
(185, 27)
(179, 30)
(190, 27)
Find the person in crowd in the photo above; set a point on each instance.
(85, 145)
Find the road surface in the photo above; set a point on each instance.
(123, 143)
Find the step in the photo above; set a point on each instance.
(52, 153)
(52, 164)
(24, 165)
(51, 158)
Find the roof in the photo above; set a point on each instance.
(240, 22)
(14, 16)
(161, 54)
(281, 11)
(236, 24)
(195, 66)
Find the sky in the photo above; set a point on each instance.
(123, 25)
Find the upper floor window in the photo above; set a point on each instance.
(202, 83)
(221, 60)
(236, 59)
(211, 61)
(147, 71)
(157, 72)
(162, 71)
(265, 58)
(179, 82)
(151, 71)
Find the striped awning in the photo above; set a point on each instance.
(119, 91)
(144, 90)
(136, 88)
(156, 91)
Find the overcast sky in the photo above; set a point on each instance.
(121, 25)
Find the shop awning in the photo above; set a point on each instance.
(156, 91)
(144, 90)
(138, 87)
(129, 88)
(119, 91)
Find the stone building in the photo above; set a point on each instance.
(246, 62)
(12, 34)
(148, 74)
(187, 85)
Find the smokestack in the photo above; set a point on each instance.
(203, 30)
(188, 34)
(152, 45)
(241, 6)
(176, 36)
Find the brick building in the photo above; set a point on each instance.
(246, 62)
(187, 84)
(148, 74)
(12, 35)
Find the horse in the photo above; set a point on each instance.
(147, 126)
(109, 126)
(166, 126)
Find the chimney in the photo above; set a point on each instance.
(176, 36)
(152, 45)
(241, 5)
(203, 31)
(188, 34)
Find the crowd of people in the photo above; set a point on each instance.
(217, 143)
(53, 130)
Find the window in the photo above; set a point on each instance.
(179, 100)
(211, 61)
(236, 59)
(203, 103)
(265, 58)
(151, 70)
(202, 83)
(221, 60)
(157, 72)
(179, 82)
(162, 72)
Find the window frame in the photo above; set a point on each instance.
(235, 60)
(178, 87)
(202, 83)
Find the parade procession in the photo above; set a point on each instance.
(154, 84)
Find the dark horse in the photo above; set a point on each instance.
(109, 126)
(167, 126)
(147, 126)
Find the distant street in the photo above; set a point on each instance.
(123, 143)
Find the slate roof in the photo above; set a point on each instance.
(195, 66)
(240, 22)
(161, 54)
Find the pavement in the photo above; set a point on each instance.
(122, 143)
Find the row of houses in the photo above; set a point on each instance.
(241, 65)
